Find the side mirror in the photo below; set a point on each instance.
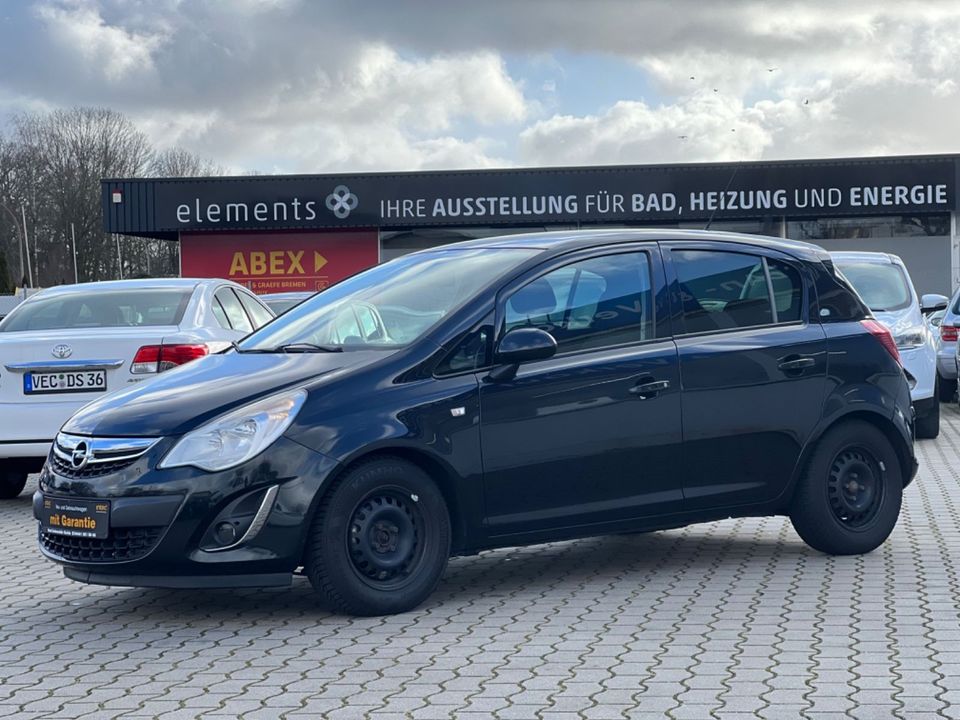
(521, 345)
(931, 302)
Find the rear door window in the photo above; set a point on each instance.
(722, 290)
(258, 314)
(234, 310)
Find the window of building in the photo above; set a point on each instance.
(599, 302)
(843, 228)
(394, 243)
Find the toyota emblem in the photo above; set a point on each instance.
(61, 351)
(81, 455)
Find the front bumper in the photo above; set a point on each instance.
(921, 365)
(161, 520)
(947, 361)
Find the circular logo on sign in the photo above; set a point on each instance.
(61, 351)
(341, 201)
(80, 456)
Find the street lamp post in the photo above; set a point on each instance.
(26, 244)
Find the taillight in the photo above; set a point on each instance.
(146, 360)
(881, 333)
(173, 355)
(157, 358)
(948, 333)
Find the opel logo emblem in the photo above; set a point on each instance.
(342, 201)
(61, 351)
(80, 456)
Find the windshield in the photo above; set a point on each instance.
(98, 308)
(882, 286)
(389, 305)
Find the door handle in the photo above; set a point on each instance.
(649, 389)
(796, 363)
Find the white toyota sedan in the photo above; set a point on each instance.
(67, 345)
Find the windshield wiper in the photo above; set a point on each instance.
(305, 347)
(243, 351)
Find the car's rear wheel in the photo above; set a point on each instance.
(848, 499)
(380, 539)
(947, 389)
(12, 481)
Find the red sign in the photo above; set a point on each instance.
(278, 262)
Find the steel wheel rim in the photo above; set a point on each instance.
(855, 487)
(385, 538)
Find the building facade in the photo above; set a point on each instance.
(303, 232)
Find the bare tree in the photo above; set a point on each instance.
(177, 162)
(163, 256)
(66, 153)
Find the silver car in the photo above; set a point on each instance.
(947, 354)
(882, 281)
(281, 302)
(68, 345)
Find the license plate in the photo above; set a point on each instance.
(68, 381)
(76, 518)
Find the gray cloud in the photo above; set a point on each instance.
(301, 85)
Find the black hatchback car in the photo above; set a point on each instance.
(493, 393)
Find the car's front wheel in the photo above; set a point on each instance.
(380, 539)
(848, 499)
(12, 481)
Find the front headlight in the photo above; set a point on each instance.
(238, 436)
(912, 338)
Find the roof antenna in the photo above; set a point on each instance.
(733, 175)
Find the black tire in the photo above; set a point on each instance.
(12, 482)
(948, 389)
(928, 424)
(838, 518)
(380, 539)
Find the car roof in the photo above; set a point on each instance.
(138, 284)
(565, 240)
(880, 258)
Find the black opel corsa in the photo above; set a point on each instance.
(493, 393)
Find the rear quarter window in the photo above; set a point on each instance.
(837, 300)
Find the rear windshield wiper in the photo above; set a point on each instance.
(305, 347)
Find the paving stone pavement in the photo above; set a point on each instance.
(731, 620)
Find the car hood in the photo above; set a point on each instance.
(182, 399)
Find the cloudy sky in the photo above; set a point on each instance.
(321, 85)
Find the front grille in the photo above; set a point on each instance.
(75, 456)
(64, 468)
(123, 544)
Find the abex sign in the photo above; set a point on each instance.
(278, 262)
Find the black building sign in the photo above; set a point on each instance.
(622, 194)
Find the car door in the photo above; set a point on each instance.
(591, 434)
(752, 366)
